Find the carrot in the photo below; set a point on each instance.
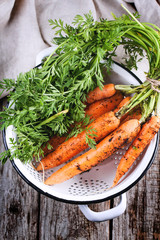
(135, 114)
(94, 110)
(149, 129)
(123, 103)
(52, 159)
(91, 158)
(100, 107)
(103, 126)
(54, 141)
(98, 94)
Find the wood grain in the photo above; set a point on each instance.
(61, 221)
(19, 204)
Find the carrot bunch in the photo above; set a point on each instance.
(113, 129)
(122, 135)
(104, 122)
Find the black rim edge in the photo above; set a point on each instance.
(93, 201)
(127, 70)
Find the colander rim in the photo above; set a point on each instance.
(91, 201)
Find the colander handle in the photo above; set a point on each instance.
(105, 215)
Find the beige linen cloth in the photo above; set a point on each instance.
(25, 31)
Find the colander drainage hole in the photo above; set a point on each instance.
(88, 187)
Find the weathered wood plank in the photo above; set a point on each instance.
(18, 205)
(141, 219)
(61, 221)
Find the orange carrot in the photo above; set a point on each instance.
(103, 126)
(98, 94)
(94, 110)
(149, 129)
(100, 107)
(91, 158)
(123, 103)
(54, 141)
(135, 114)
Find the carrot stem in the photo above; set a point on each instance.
(132, 15)
(135, 100)
(148, 107)
(129, 89)
(157, 108)
(52, 118)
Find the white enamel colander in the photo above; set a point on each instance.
(92, 186)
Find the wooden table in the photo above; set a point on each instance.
(27, 215)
